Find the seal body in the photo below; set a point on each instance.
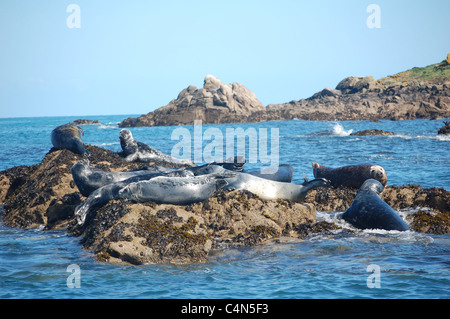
(350, 176)
(160, 189)
(88, 178)
(137, 151)
(264, 188)
(284, 173)
(369, 211)
(68, 136)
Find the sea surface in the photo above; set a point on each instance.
(347, 264)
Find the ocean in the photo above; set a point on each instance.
(347, 264)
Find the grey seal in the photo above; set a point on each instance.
(369, 211)
(265, 188)
(284, 173)
(351, 175)
(89, 178)
(160, 189)
(134, 150)
(68, 136)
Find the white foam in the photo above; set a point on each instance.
(338, 130)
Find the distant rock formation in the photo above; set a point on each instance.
(216, 102)
(445, 129)
(372, 132)
(413, 94)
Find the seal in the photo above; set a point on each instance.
(160, 189)
(89, 178)
(137, 151)
(284, 173)
(264, 188)
(68, 136)
(351, 176)
(369, 211)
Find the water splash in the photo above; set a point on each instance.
(338, 130)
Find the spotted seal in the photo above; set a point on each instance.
(89, 178)
(265, 188)
(134, 150)
(160, 189)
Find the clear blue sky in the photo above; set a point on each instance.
(131, 57)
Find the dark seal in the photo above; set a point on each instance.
(369, 211)
(350, 176)
(68, 136)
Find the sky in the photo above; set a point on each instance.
(132, 57)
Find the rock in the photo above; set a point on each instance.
(216, 102)
(123, 231)
(33, 194)
(85, 122)
(372, 132)
(355, 84)
(163, 233)
(445, 129)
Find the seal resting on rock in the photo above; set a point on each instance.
(351, 176)
(88, 178)
(160, 189)
(369, 211)
(137, 151)
(264, 188)
(68, 136)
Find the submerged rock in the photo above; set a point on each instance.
(372, 132)
(445, 129)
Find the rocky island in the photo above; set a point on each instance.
(412, 94)
(123, 231)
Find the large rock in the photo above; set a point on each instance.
(355, 84)
(122, 231)
(216, 102)
(163, 233)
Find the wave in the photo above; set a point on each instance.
(107, 144)
(338, 130)
(439, 137)
(108, 126)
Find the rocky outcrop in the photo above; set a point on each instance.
(413, 94)
(431, 205)
(216, 102)
(123, 231)
(445, 129)
(162, 233)
(85, 122)
(372, 132)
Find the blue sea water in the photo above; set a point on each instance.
(34, 263)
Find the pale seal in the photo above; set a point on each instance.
(137, 151)
(89, 178)
(350, 176)
(265, 188)
(161, 189)
(369, 211)
(68, 136)
(284, 173)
